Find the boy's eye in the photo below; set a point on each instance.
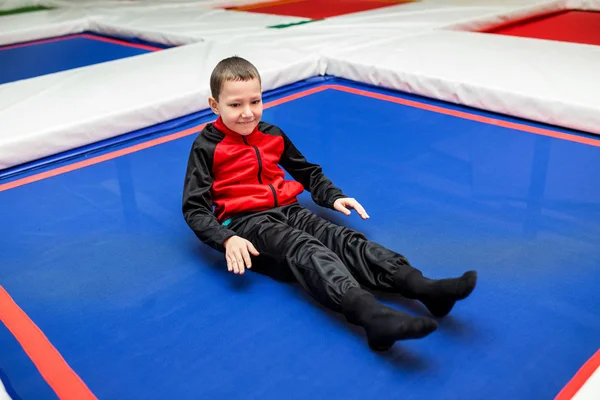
(235, 105)
(256, 102)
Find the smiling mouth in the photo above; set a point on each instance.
(246, 123)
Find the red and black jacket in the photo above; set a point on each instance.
(240, 174)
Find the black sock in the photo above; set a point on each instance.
(383, 325)
(438, 295)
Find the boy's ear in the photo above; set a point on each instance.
(214, 106)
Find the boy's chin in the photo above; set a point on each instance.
(245, 130)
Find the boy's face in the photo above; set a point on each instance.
(240, 105)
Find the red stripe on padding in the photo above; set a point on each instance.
(54, 369)
(577, 382)
(84, 36)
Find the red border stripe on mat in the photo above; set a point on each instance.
(120, 42)
(472, 117)
(295, 96)
(577, 382)
(81, 35)
(54, 369)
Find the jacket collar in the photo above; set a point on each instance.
(251, 138)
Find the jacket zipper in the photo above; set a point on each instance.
(274, 195)
(259, 161)
(260, 171)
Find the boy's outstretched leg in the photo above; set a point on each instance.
(377, 267)
(325, 277)
(383, 325)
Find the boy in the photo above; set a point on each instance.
(233, 165)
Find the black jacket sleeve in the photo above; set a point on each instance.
(197, 201)
(311, 176)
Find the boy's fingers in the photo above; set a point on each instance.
(343, 209)
(234, 265)
(361, 211)
(229, 267)
(240, 262)
(252, 249)
(247, 259)
(235, 261)
(352, 203)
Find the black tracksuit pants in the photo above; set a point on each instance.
(326, 259)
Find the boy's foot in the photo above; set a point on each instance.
(384, 330)
(440, 301)
(383, 325)
(438, 295)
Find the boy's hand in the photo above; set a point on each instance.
(342, 206)
(237, 251)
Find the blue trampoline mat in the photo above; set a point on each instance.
(102, 261)
(31, 59)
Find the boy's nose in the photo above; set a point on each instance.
(247, 112)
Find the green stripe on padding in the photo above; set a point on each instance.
(293, 24)
(24, 10)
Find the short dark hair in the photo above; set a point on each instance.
(231, 69)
